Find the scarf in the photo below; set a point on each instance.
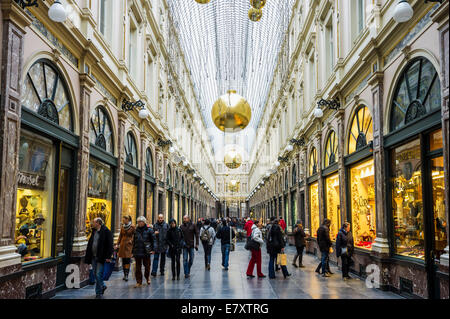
(127, 226)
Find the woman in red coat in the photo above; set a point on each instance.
(125, 245)
(248, 226)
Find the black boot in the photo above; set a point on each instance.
(126, 271)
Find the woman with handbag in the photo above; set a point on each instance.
(276, 246)
(142, 249)
(175, 242)
(125, 245)
(254, 245)
(344, 249)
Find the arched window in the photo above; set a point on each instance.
(313, 162)
(101, 132)
(130, 150)
(45, 92)
(168, 175)
(182, 183)
(331, 149)
(294, 175)
(361, 130)
(286, 180)
(417, 93)
(149, 162)
(176, 180)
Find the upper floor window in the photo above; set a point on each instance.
(331, 149)
(357, 10)
(417, 93)
(105, 18)
(294, 175)
(313, 162)
(130, 150)
(361, 130)
(168, 175)
(132, 50)
(101, 132)
(45, 92)
(149, 162)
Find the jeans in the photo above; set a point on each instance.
(324, 261)
(272, 260)
(225, 254)
(256, 259)
(98, 271)
(207, 248)
(155, 263)
(188, 252)
(139, 261)
(299, 255)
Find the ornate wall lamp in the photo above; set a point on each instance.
(333, 104)
(56, 12)
(299, 142)
(284, 159)
(128, 106)
(404, 12)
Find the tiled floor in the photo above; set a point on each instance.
(233, 284)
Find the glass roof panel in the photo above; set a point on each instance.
(225, 50)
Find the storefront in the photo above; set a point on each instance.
(102, 165)
(313, 190)
(45, 193)
(331, 191)
(149, 187)
(361, 179)
(416, 171)
(130, 179)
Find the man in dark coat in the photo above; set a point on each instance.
(300, 243)
(344, 249)
(225, 241)
(324, 242)
(160, 229)
(275, 246)
(190, 232)
(99, 250)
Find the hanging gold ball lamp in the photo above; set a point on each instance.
(255, 14)
(202, 1)
(231, 113)
(258, 4)
(232, 159)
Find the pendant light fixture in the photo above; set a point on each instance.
(57, 12)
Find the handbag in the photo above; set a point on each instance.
(91, 276)
(231, 241)
(251, 244)
(282, 259)
(108, 268)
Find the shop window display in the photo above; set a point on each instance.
(33, 232)
(333, 204)
(99, 202)
(314, 209)
(129, 197)
(149, 202)
(407, 205)
(362, 184)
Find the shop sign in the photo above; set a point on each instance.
(31, 180)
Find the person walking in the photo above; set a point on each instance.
(300, 243)
(175, 242)
(248, 226)
(98, 252)
(125, 245)
(226, 235)
(160, 229)
(324, 242)
(344, 249)
(276, 246)
(207, 236)
(190, 232)
(256, 236)
(143, 247)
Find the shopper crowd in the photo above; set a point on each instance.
(170, 240)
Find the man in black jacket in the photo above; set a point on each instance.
(324, 242)
(160, 229)
(99, 250)
(225, 241)
(344, 249)
(190, 232)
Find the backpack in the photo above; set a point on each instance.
(206, 235)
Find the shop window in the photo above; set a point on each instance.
(45, 92)
(333, 204)
(149, 162)
(149, 201)
(99, 201)
(361, 130)
(313, 162)
(331, 149)
(418, 92)
(440, 218)
(294, 175)
(407, 205)
(129, 197)
(362, 202)
(33, 232)
(130, 150)
(314, 208)
(101, 131)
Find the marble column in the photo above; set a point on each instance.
(81, 184)
(14, 22)
(142, 195)
(381, 244)
(342, 174)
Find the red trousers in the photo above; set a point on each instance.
(256, 259)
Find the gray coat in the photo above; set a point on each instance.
(160, 239)
(211, 231)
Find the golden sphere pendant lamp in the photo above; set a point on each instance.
(258, 4)
(231, 113)
(202, 1)
(255, 14)
(232, 159)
